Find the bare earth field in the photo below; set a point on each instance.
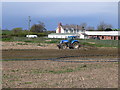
(22, 45)
(49, 74)
(53, 74)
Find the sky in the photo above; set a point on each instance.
(15, 14)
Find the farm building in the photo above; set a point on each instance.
(63, 31)
(103, 35)
(62, 35)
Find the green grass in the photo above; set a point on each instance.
(14, 70)
(22, 44)
(7, 39)
(28, 82)
(101, 43)
(97, 43)
(63, 70)
(6, 32)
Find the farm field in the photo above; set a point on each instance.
(50, 74)
(23, 72)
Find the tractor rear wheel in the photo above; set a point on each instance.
(76, 45)
(63, 46)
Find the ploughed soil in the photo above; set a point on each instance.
(25, 73)
(50, 74)
(99, 53)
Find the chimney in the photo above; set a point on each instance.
(59, 27)
(76, 27)
(60, 24)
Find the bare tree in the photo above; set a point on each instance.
(109, 26)
(102, 26)
(90, 28)
(83, 25)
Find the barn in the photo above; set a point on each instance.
(103, 35)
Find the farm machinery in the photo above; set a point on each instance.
(70, 43)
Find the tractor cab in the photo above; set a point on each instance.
(71, 38)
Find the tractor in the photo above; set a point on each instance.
(70, 42)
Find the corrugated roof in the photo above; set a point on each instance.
(110, 33)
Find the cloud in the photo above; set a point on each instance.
(63, 9)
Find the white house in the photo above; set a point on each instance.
(68, 28)
(63, 31)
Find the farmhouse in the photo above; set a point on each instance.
(63, 31)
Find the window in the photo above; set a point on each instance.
(72, 29)
(102, 37)
(66, 31)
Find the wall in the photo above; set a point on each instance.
(105, 37)
(58, 36)
(60, 30)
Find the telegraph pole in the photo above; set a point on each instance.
(83, 31)
(29, 20)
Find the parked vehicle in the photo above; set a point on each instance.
(71, 43)
(31, 36)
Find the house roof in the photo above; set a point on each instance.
(72, 27)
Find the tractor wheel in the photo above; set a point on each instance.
(63, 46)
(76, 45)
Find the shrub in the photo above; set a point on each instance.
(28, 41)
(22, 44)
(6, 39)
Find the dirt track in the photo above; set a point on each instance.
(54, 53)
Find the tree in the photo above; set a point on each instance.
(102, 26)
(90, 28)
(108, 29)
(17, 30)
(38, 28)
(83, 25)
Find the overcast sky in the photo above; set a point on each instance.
(15, 14)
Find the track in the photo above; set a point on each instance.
(99, 55)
(78, 59)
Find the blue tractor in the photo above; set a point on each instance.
(70, 42)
